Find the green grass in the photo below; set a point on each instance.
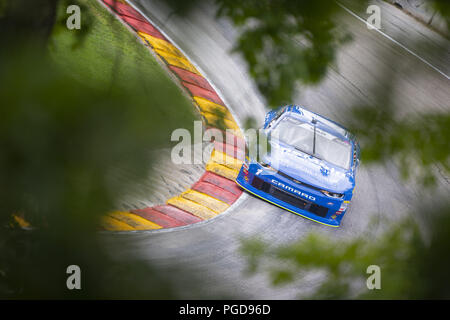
(104, 53)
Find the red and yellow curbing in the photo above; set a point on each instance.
(216, 190)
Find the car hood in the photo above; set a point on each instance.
(308, 169)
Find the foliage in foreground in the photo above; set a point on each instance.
(412, 267)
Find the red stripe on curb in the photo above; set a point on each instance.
(177, 214)
(215, 191)
(221, 182)
(193, 78)
(230, 150)
(200, 92)
(124, 9)
(143, 27)
(157, 217)
(230, 139)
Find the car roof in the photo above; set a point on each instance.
(323, 123)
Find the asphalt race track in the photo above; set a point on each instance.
(211, 249)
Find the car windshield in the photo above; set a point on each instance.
(324, 145)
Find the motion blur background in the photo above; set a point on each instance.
(80, 106)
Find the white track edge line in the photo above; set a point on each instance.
(395, 41)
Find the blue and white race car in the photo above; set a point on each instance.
(309, 169)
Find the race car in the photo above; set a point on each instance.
(309, 168)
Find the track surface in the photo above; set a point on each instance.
(210, 249)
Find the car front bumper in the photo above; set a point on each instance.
(284, 199)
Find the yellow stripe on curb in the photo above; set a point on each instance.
(222, 170)
(205, 200)
(161, 44)
(134, 221)
(176, 61)
(110, 224)
(192, 207)
(217, 121)
(226, 160)
(206, 105)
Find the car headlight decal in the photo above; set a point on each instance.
(332, 194)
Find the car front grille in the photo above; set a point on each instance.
(289, 198)
(338, 195)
